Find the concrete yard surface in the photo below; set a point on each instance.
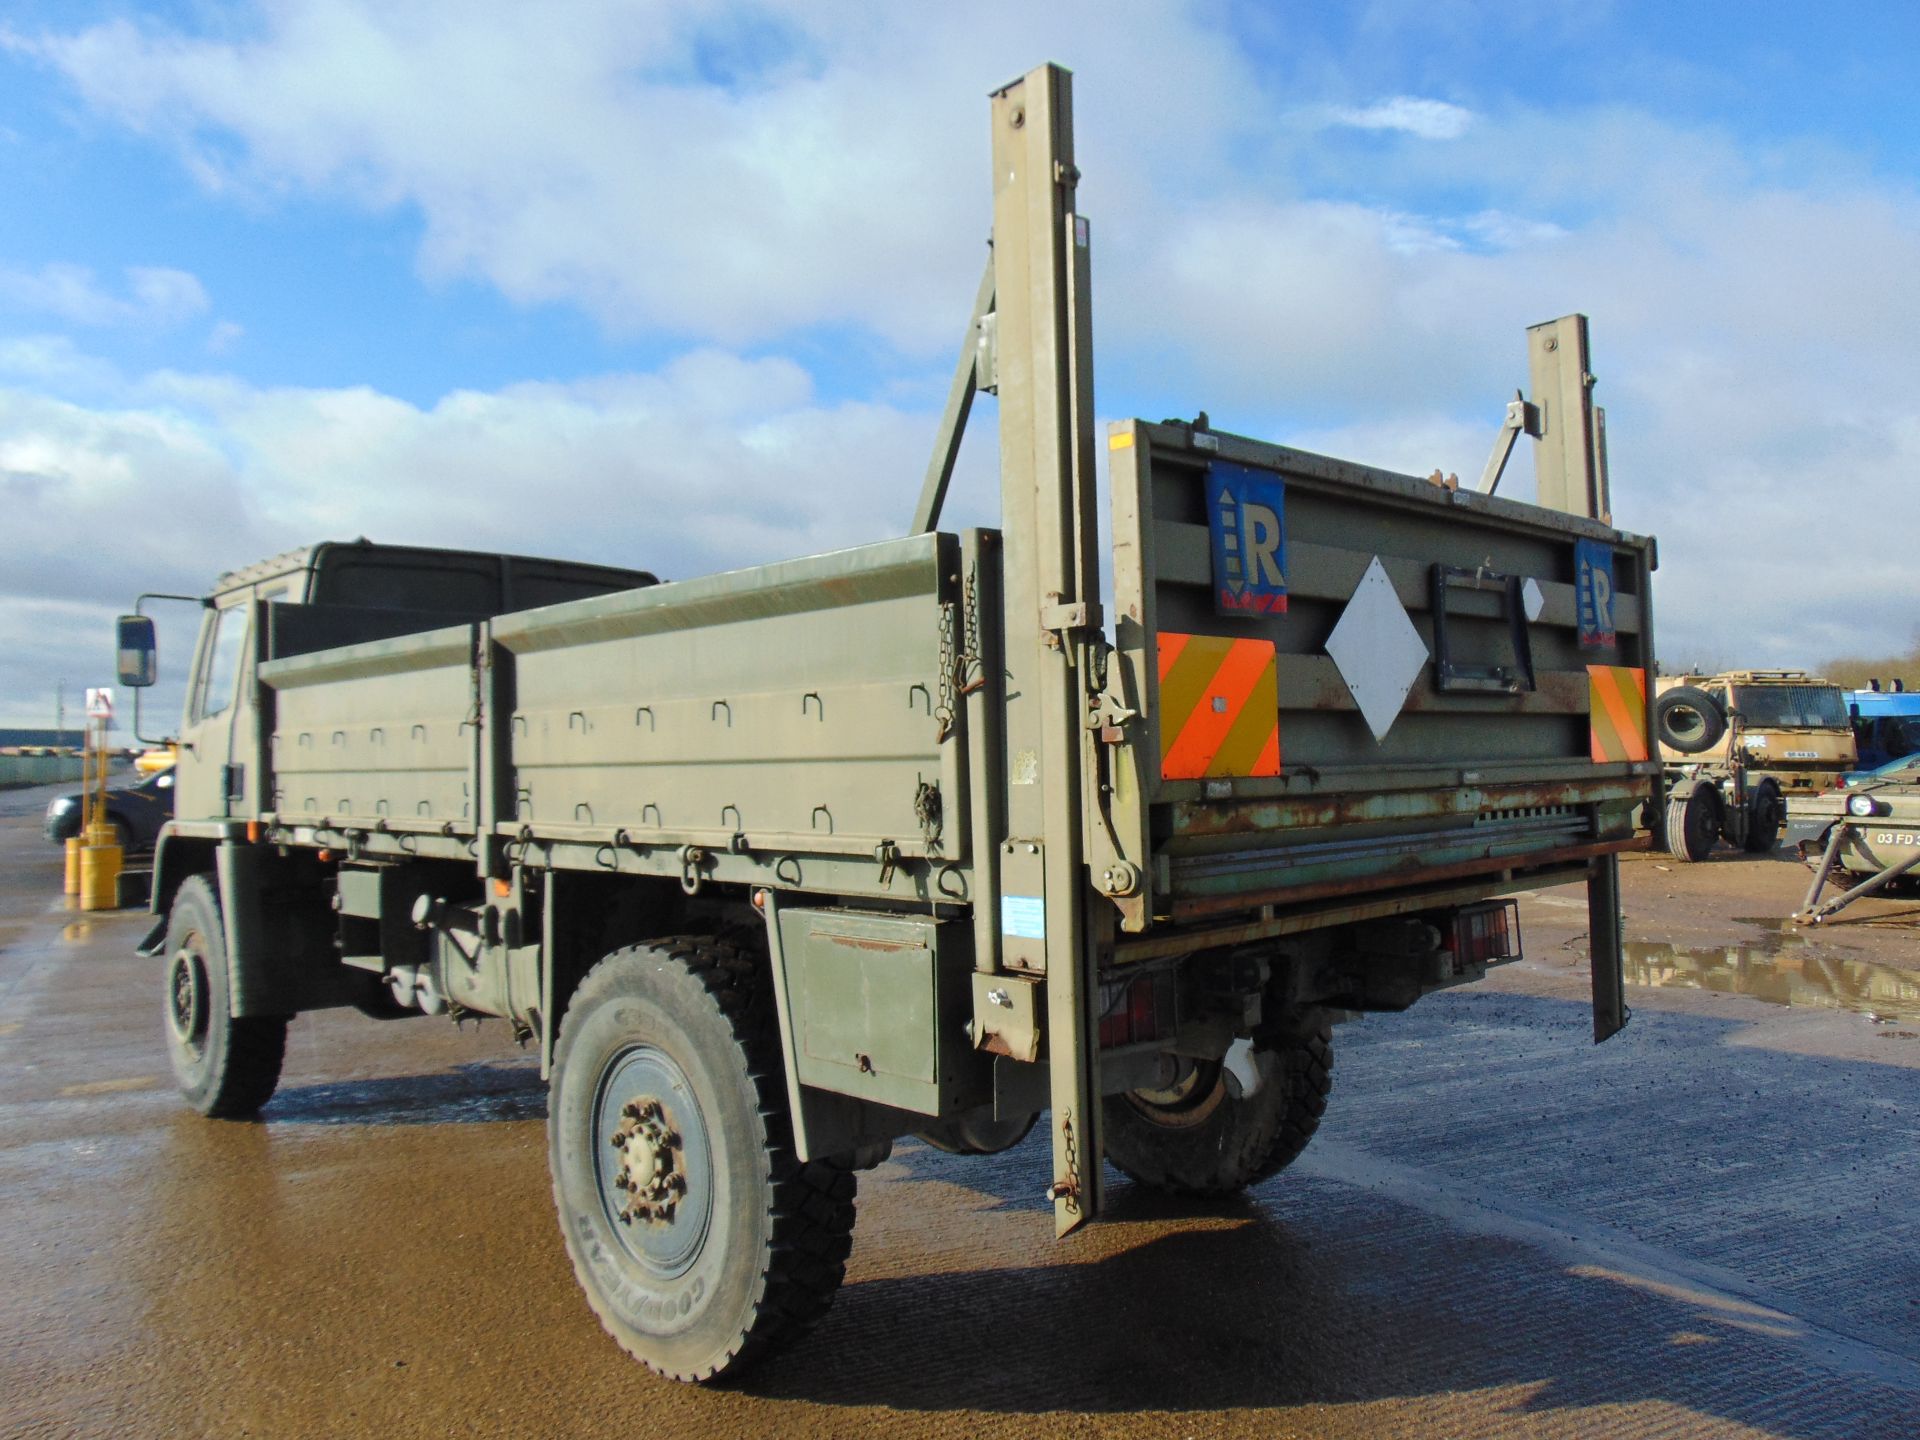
(1702, 1228)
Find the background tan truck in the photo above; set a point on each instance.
(1738, 746)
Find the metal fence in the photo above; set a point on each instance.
(19, 770)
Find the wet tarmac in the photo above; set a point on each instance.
(1704, 1227)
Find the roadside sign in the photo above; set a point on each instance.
(1593, 593)
(100, 703)
(1247, 518)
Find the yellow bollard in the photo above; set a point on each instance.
(99, 869)
(73, 865)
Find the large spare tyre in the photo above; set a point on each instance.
(1688, 719)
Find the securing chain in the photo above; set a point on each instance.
(1067, 1191)
(973, 665)
(949, 700)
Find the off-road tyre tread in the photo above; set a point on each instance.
(812, 1203)
(256, 1049)
(1760, 839)
(1272, 1139)
(1310, 1081)
(256, 1045)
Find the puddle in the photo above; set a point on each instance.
(76, 932)
(1781, 969)
(471, 1093)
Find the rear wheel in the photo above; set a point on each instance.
(702, 1242)
(226, 1067)
(1693, 824)
(1765, 812)
(1199, 1137)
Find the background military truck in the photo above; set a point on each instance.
(1738, 747)
(776, 866)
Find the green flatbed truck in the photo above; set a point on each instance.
(777, 866)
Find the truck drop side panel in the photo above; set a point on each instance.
(378, 732)
(1495, 771)
(798, 707)
(801, 708)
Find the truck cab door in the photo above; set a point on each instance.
(203, 774)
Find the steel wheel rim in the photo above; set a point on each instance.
(1686, 722)
(1188, 1101)
(187, 998)
(668, 1247)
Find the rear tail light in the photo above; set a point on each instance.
(1135, 1010)
(1485, 934)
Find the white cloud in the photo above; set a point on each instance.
(712, 462)
(153, 296)
(593, 152)
(1498, 230)
(709, 463)
(1409, 114)
(54, 362)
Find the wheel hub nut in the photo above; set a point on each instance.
(650, 1170)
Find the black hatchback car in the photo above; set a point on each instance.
(136, 813)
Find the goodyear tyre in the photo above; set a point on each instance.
(1693, 824)
(226, 1067)
(702, 1242)
(1688, 719)
(1198, 1137)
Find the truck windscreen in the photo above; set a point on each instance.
(1816, 706)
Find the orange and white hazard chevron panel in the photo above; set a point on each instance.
(1219, 707)
(1617, 713)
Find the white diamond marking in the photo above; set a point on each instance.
(1532, 600)
(1376, 650)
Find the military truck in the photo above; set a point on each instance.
(777, 866)
(1739, 747)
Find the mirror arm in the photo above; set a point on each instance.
(205, 602)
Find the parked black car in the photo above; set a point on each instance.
(136, 813)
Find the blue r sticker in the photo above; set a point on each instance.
(1247, 518)
(1593, 593)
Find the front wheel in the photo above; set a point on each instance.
(702, 1242)
(226, 1067)
(1693, 824)
(1200, 1136)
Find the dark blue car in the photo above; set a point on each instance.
(136, 813)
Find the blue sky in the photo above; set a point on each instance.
(678, 286)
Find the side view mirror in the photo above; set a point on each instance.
(139, 656)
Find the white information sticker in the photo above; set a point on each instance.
(1023, 916)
